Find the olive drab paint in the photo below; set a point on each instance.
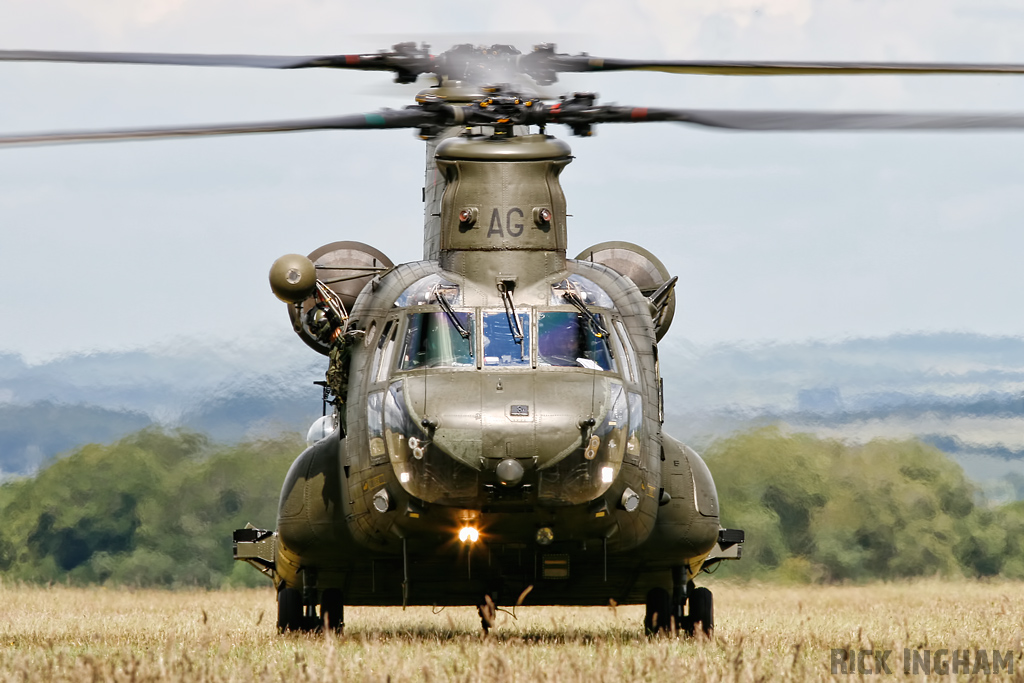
(501, 387)
(505, 180)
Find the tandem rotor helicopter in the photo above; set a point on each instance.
(496, 433)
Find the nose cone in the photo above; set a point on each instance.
(515, 415)
(517, 431)
(509, 472)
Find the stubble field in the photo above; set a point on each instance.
(763, 632)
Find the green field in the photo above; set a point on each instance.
(774, 632)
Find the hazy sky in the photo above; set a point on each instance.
(774, 236)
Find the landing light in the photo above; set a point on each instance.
(607, 474)
(468, 534)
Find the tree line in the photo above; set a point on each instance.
(824, 510)
(157, 508)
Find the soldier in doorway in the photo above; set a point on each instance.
(328, 328)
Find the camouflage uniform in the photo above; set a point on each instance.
(328, 331)
(337, 373)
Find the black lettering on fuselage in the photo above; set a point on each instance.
(495, 227)
(513, 229)
(517, 229)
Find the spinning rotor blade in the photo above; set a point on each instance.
(580, 113)
(254, 61)
(389, 118)
(406, 60)
(502, 63)
(806, 121)
(586, 63)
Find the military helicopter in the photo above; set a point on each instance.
(495, 437)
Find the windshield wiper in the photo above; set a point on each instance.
(450, 312)
(595, 325)
(510, 312)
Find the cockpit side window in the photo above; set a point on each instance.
(432, 340)
(424, 292)
(632, 364)
(385, 350)
(378, 352)
(585, 289)
(567, 339)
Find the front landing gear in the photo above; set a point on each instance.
(687, 609)
(702, 612)
(297, 612)
(332, 610)
(658, 616)
(289, 610)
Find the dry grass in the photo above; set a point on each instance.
(66, 634)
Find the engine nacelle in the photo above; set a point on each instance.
(646, 271)
(343, 267)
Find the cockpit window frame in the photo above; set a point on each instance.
(529, 337)
(624, 364)
(631, 360)
(609, 344)
(406, 326)
(382, 371)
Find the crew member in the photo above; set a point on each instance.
(328, 328)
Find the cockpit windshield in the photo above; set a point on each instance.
(567, 339)
(432, 340)
(502, 343)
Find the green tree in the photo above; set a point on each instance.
(156, 508)
(821, 509)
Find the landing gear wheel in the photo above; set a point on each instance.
(658, 614)
(702, 611)
(332, 610)
(289, 610)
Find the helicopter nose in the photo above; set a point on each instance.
(508, 424)
(557, 436)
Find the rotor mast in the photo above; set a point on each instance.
(456, 93)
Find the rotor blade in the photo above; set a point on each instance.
(388, 118)
(370, 62)
(583, 63)
(804, 121)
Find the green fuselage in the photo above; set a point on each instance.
(505, 388)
